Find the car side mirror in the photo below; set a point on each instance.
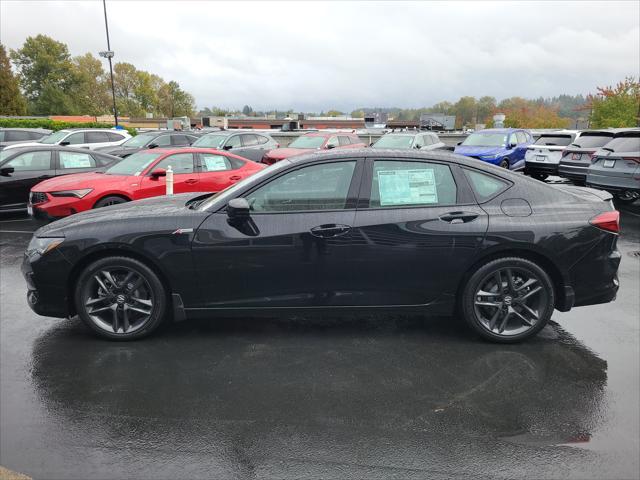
(238, 209)
(330, 146)
(158, 172)
(459, 143)
(227, 147)
(64, 144)
(513, 145)
(152, 145)
(7, 171)
(418, 147)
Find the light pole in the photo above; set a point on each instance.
(109, 55)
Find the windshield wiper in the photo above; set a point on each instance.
(575, 144)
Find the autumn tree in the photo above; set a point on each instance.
(91, 93)
(175, 102)
(11, 100)
(465, 110)
(523, 113)
(617, 106)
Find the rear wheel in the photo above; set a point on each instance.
(508, 300)
(120, 298)
(540, 176)
(627, 197)
(111, 200)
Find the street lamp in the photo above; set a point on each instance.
(108, 54)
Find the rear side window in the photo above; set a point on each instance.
(115, 137)
(344, 141)
(75, 160)
(16, 136)
(30, 161)
(96, 137)
(249, 140)
(484, 186)
(180, 163)
(398, 183)
(214, 163)
(161, 141)
(261, 140)
(522, 137)
(75, 138)
(180, 140)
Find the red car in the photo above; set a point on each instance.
(313, 141)
(140, 175)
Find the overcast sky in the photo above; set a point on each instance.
(320, 55)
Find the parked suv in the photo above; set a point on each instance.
(155, 139)
(577, 157)
(500, 146)
(616, 167)
(309, 142)
(408, 140)
(12, 136)
(90, 138)
(543, 157)
(249, 145)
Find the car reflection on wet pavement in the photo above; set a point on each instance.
(330, 397)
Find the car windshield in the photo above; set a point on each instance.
(139, 140)
(210, 141)
(624, 144)
(586, 140)
(486, 140)
(554, 140)
(54, 137)
(134, 164)
(307, 142)
(394, 141)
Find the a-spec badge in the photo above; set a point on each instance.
(182, 230)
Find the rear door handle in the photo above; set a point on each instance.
(235, 178)
(330, 230)
(191, 181)
(458, 217)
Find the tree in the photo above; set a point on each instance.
(175, 102)
(357, 114)
(247, 110)
(11, 100)
(617, 106)
(465, 109)
(523, 113)
(125, 78)
(485, 109)
(91, 93)
(46, 75)
(334, 113)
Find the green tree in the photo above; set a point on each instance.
(46, 75)
(466, 112)
(175, 102)
(91, 93)
(125, 78)
(485, 108)
(334, 113)
(11, 100)
(247, 110)
(357, 114)
(617, 106)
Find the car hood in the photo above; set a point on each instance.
(79, 180)
(138, 213)
(280, 153)
(473, 150)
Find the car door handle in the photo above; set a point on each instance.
(330, 230)
(458, 217)
(191, 181)
(235, 178)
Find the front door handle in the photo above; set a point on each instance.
(235, 178)
(458, 217)
(330, 230)
(191, 181)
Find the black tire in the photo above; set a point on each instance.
(128, 303)
(111, 200)
(487, 320)
(540, 176)
(625, 198)
(505, 163)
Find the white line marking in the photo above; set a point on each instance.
(18, 220)
(17, 231)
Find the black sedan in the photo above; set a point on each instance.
(340, 231)
(23, 167)
(151, 139)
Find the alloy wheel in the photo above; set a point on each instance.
(510, 301)
(118, 300)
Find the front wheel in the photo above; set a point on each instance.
(508, 300)
(505, 163)
(120, 298)
(106, 201)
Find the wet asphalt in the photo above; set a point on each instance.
(344, 397)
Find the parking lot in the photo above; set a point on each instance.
(365, 396)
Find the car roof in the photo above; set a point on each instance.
(326, 134)
(500, 130)
(89, 129)
(58, 148)
(407, 133)
(20, 129)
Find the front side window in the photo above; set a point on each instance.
(30, 161)
(522, 137)
(214, 163)
(75, 160)
(75, 138)
(316, 187)
(233, 141)
(180, 163)
(344, 141)
(332, 142)
(484, 186)
(401, 183)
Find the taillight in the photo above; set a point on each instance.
(609, 221)
(632, 159)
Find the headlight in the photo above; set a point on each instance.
(38, 246)
(491, 157)
(72, 193)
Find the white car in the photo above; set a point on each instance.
(542, 158)
(90, 138)
(409, 139)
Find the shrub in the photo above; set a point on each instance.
(54, 124)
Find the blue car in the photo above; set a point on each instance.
(504, 147)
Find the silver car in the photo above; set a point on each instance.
(407, 140)
(577, 157)
(250, 145)
(616, 167)
(542, 158)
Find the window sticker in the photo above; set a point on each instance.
(75, 160)
(215, 163)
(407, 187)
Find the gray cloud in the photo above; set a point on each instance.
(315, 55)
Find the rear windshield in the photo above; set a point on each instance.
(554, 140)
(624, 144)
(590, 140)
